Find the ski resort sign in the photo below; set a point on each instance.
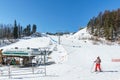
(26, 51)
(16, 52)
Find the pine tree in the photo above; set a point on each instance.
(106, 24)
(15, 31)
(34, 27)
(28, 29)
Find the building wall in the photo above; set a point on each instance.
(0, 56)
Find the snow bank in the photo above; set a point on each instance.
(31, 43)
(82, 34)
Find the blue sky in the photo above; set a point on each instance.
(53, 15)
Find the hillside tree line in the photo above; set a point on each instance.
(106, 24)
(16, 31)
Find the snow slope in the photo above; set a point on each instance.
(74, 61)
(31, 42)
(81, 34)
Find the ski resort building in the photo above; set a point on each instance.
(25, 56)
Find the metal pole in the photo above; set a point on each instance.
(59, 39)
(45, 61)
(32, 68)
(46, 50)
(92, 67)
(9, 70)
(30, 62)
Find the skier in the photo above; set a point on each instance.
(97, 66)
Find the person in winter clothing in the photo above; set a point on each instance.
(97, 66)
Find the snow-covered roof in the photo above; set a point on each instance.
(23, 45)
(37, 42)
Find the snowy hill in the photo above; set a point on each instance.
(82, 34)
(74, 59)
(30, 42)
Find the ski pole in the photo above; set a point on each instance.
(92, 67)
